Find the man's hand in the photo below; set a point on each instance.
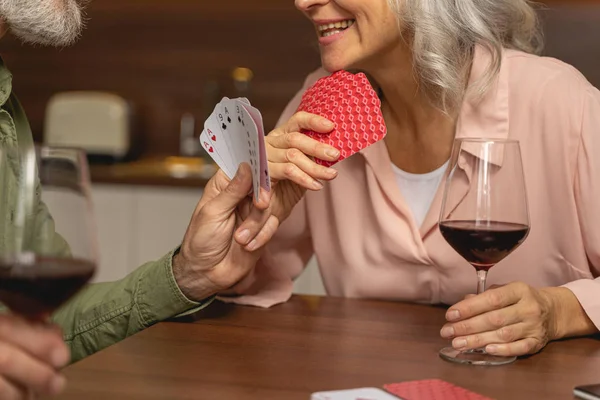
(515, 319)
(30, 356)
(210, 259)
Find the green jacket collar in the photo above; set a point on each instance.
(5, 83)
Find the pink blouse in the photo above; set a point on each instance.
(368, 245)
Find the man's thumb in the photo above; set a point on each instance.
(236, 191)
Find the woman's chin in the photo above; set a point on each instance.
(332, 66)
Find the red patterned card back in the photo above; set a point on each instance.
(349, 101)
(432, 389)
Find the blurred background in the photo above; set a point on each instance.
(135, 92)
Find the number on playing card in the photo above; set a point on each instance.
(232, 136)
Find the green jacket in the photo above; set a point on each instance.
(104, 313)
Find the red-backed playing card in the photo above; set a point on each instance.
(349, 101)
(432, 389)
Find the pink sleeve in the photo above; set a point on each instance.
(587, 193)
(284, 259)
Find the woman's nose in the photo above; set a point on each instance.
(306, 5)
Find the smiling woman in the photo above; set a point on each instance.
(443, 70)
(440, 37)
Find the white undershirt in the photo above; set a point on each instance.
(419, 189)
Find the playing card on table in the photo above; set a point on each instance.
(432, 389)
(349, 101)
(354, 394)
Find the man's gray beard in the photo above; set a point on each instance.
(45, 22)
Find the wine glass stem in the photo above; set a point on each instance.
(481, 277)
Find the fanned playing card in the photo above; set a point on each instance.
(234, 134)
(265, 181)
(349, 101)
(432, 389)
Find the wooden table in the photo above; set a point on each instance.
(312, 344)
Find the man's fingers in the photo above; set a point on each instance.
(506, 334)
(215, 185)
(232, 194)
(487, 301)
(265, 234)
(264, 199)
(10, 391)
(482, 323)
(251, 226)
(27, 371)
(304, 144)
(40, 340)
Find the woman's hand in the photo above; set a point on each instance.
(515, 319)
(290, 165)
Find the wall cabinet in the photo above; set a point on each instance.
(137, 224)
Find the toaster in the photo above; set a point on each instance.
(97, 122)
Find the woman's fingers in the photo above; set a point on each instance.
(292, 172)
(506, 334)
(521, 347)
(483, 323)
(303, 120)
(305, 164)
(306, 145)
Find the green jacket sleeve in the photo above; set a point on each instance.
(105, 313)
(100, 314)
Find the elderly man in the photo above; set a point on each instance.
(213, 255)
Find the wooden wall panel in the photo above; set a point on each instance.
(161, 54)
(572, 34)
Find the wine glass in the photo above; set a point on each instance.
(484, 215)
(48, 246)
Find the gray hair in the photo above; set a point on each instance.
(443, 35)
(45, 22)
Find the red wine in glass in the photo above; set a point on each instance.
(483, 245)
(484, 215)
(36, 289)
(50, 250)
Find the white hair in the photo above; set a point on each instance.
(45, 22)
(443, 35)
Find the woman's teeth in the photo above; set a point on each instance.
(335, 27)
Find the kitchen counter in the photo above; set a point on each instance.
(164, 171)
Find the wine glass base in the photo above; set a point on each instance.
(474, 357)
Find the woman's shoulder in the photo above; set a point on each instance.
(533, 73)
(556, 90)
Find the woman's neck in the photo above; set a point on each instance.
(420, 136)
